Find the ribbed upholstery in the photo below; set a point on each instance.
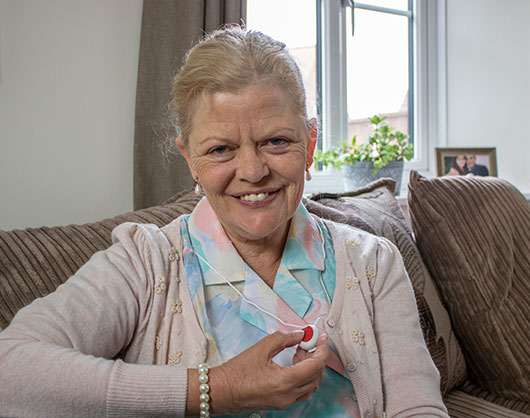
(34, 261)
(374, 209)
(513, 404)
(462, 405)
(474, 236)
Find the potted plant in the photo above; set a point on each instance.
(383, 155)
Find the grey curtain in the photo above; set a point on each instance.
(169, 29)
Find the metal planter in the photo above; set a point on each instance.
(361, 173)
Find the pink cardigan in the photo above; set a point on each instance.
(118, 337)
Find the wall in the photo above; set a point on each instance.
(67, 93)
(488, 81)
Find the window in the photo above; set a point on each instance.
(392, 65)
(380, 66)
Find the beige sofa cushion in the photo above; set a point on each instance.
(375, 209)
(513, 404)
(474, 236)
(35, 261)
(462, 405)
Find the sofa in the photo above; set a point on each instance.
(465, 243)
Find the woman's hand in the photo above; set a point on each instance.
(252, 381)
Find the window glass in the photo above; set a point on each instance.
(378, 71)
(390, 4)
(294, 23)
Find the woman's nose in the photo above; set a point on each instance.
(252, 167)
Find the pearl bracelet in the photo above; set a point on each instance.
(204, 388)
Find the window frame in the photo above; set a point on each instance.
(428, 88)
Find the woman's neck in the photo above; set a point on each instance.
(263, 256)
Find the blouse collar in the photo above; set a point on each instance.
(304, 248)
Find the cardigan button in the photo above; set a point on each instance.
(351, 367)
(331, 323)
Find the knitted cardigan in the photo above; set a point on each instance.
(118, 337)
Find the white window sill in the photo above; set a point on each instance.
(332, 181)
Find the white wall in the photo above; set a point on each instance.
(488, 81)
(67, 94)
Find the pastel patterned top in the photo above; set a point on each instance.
(298, 297)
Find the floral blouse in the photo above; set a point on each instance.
(231, 324)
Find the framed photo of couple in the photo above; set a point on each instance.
(466, 162)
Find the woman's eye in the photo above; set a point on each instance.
(278, 141)
(217, 150)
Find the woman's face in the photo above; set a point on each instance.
(461, 161)
(250, 151)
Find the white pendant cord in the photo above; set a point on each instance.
(324, 258)
(243, 296)
(324, 287)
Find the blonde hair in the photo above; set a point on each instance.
(229, 60)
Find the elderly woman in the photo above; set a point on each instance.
(204, 316)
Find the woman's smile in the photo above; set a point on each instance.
(253, 197)
(258, 197)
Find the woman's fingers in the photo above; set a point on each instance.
(307, 390)
(301, 354)
(279, 341)
(252, 380)
(312, 364)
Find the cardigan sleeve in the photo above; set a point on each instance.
(58, 355)
(411, 382)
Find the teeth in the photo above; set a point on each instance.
(254, 197)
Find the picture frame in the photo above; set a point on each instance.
(454, 162)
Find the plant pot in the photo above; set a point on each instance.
(362, 173)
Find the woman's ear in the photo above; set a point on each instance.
(184, 151)
(312, 142)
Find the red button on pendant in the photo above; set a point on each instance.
(311, 335)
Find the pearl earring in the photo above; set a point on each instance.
(308, 176)
(197, 186)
